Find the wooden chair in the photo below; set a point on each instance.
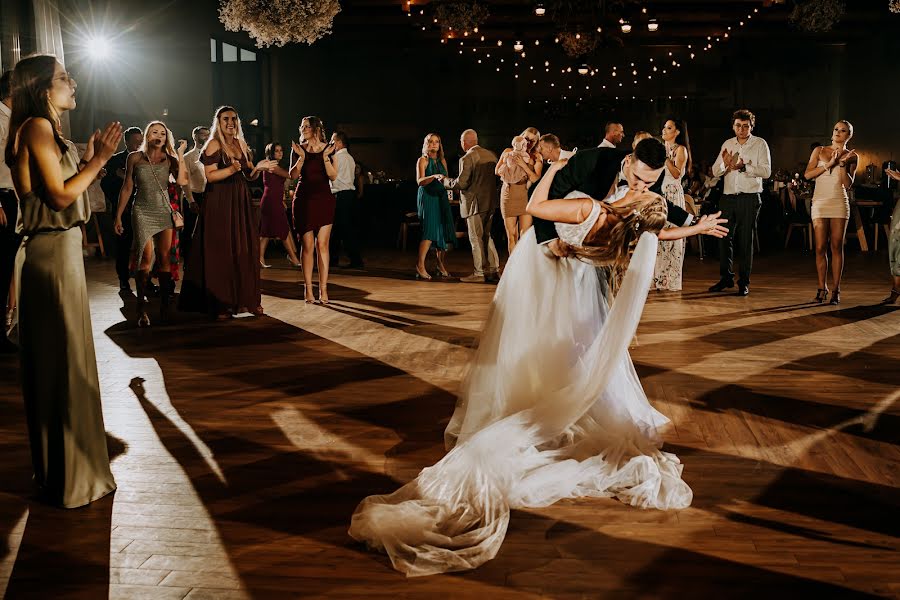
(798, 217)
(84, 236)
(691, 207)
(410, 219)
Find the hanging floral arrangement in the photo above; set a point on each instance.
(817, 15)
(894, 6)
(576, 43)
(461, 16)
(279, 22)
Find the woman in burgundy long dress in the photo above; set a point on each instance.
(222, 273)
(314, 204)
(273, 223)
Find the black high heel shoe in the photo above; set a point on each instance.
(835, 297)
(895, 293)
(821, 295)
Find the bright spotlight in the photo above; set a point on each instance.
(98, 48)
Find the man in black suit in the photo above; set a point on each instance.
(594, 172)
(111, 184)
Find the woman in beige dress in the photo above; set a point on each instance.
(60, 385)
(833, 168)
(514, 197)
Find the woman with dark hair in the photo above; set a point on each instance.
(314, 204)
(670, 258)
(433, 206)
(152, 219)
(833, 168)
(60, 385)
(273, 223)
(222, 274)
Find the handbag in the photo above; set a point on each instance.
(177, 217)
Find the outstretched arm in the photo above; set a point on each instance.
(708, 224)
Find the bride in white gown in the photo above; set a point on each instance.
(552, 407)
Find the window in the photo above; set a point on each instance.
(229, 53)
(247, 56)
(212, 49)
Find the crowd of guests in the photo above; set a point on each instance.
(221, 237)
(733, 183)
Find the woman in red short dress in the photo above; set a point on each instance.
(312, 161)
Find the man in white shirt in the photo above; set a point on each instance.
(345, 231)
(194, 190)
(745, 162)
(9, 212)
(614, 133)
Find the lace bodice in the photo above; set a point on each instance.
(574, 233)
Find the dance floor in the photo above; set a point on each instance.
(241, 448)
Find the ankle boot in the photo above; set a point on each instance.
(141, 280)
(166, 287)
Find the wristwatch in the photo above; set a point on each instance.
(743, 168)
(695, 220)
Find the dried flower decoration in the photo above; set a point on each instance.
(577, 44)
(279, 22)
(461, 16)
(894, 6)
(817, 15)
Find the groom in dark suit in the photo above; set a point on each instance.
(594, 172)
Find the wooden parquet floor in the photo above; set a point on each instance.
(241, 448)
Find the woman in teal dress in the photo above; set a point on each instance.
(894, 245)
(60, 385)
(433, 206)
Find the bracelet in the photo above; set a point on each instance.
(82, 162)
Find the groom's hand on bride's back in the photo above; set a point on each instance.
(559, 248)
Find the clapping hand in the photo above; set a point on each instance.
(846, 157)
(892, 174)
(104, 144)
(298, 150)
(329, 150)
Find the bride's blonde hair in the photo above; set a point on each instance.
(647, 212)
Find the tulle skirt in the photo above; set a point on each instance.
(551, 408)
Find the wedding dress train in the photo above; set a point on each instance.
(551, 408)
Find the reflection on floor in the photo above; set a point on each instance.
(241, 448)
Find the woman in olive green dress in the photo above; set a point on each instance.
(60, 385)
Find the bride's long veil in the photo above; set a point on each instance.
(562, 415)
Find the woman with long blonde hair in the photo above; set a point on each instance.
(221, 277)
(433, 206)
(152, 218)
(514, 193)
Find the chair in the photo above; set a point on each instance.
(881, 220)
(410, 219)
(797, 215)
(84, 236)
(691, 207)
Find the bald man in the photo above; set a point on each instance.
(479, 199)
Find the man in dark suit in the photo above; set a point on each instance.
(594, 172)
(111, 184)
